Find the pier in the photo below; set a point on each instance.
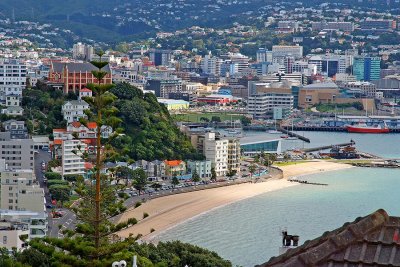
(329, 129)
(292, 134)
(313, 149)
(305, 182)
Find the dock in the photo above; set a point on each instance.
(329, 129)
(313, 149)
(292, 134)
(305, 182)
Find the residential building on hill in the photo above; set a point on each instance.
(71, 159)
(16, 224)
(17, 153)
(16, 128)
(74, 76)
(19, 190)
(73, 110)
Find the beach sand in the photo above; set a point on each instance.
(166, 212)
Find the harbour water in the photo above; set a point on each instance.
(247, 232)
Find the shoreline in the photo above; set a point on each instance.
(170, 211)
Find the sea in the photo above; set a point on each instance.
(248, 232)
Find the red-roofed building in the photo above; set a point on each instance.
(85, 92)
(174, 168)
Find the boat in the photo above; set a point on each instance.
(284, 136)
(274, 132)
(364, 128)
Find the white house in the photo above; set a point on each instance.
(73, 110)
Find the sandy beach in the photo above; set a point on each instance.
(166, 212)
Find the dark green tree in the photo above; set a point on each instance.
(139, 179)
(213, 174)
(175, 181)
(195, 176)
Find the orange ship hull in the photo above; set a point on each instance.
(352, 129)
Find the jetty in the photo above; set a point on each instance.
(323, 128)
(319, 148)
(292, 134)
(305, 182)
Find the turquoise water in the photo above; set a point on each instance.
(247, 232)
(384, 145)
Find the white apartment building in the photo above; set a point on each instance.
(12, 79)
(14, 225)
(17, 153)
(262, 103)
(19, 191)
(211, 65)
(73, 110)
(71, 159)
(234, 155)
(295, 51)
(202, 168)
(216, 150)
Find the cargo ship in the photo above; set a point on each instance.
(364, 128)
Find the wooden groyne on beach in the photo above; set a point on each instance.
(305, 182)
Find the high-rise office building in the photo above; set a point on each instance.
(367, 68)
(264, 55)
(82, 51)
(160, 57)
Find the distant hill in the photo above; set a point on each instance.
(112, 21)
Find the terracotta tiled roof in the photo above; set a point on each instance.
(368, 241)
(58, 142)
(59, 130)
(88, 165)
(85, 90)
(76, 124)
(92, 125)
(172, 163)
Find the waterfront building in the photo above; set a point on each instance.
(234, 154)
(251, 146)
(174, 168)
(202, 168)
(364, 88)
(367, 68)
(216, 150)
(317, 93)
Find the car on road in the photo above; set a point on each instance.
(49, 206)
